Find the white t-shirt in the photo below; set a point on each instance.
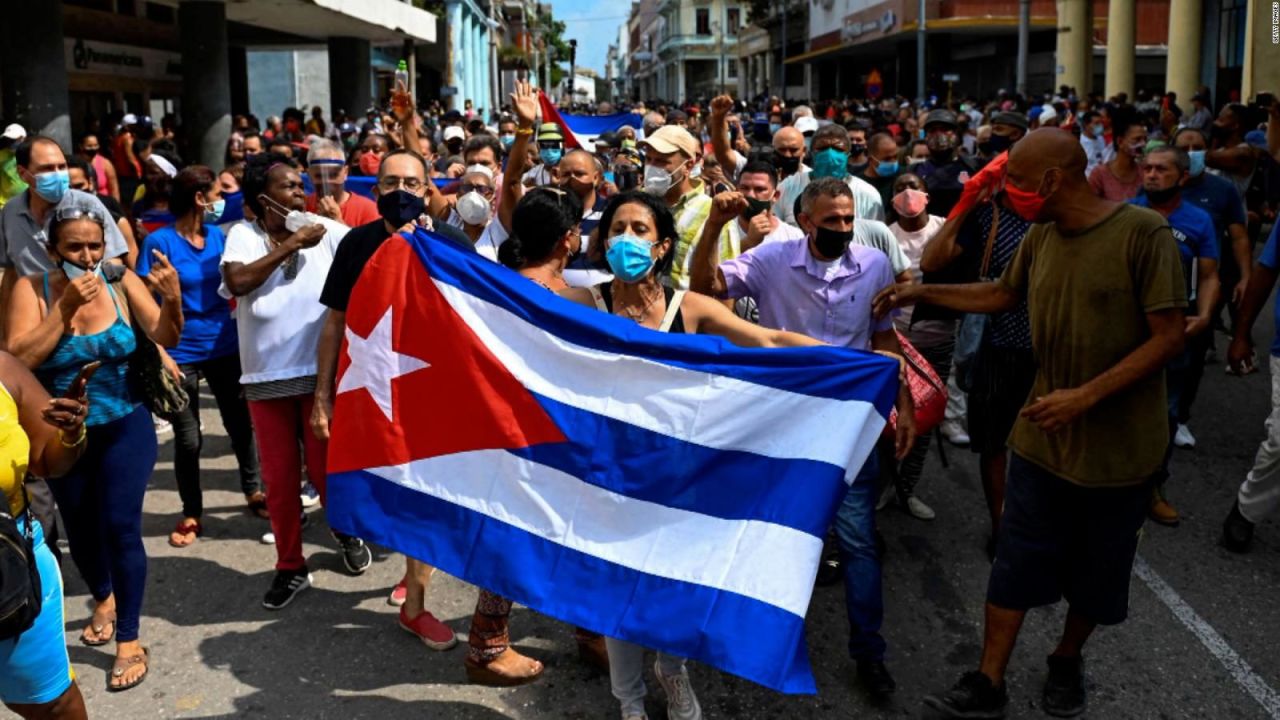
(866, 199)
(280, 321)
(1097, 151)
(778, 234)
(875, 234)
(926, 333)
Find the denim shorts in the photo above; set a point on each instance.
(34, 667)
(1061, 540)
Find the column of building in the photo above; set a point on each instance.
(1075, 45)
(1182, 72)
(1121, 25)
(206, 82)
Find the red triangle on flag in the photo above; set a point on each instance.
(551, 114)
(465, 400)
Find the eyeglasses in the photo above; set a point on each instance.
(78, 213)
(484, 190)
(390, 183)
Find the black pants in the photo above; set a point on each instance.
(222, 375)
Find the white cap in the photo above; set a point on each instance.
(15, 132)
(1048, 114)
(481, 169)
(165, 166)
(130, 119)
(453, 131)
(806, 124)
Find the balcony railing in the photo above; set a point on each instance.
(705, 43)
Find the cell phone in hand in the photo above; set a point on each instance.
(76, 390)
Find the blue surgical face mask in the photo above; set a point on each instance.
(507, 141)
(887, 169)
(213, 213)
(830, 162)
(629, 257)
(74, 271)
(52, 186)
(550, 156)
(1099, 130)
(1197, 162)
(774, 128)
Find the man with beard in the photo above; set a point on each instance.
(946, 170)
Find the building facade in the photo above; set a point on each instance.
(696, 52)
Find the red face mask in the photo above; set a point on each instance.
(370, 162)
(1027, 204)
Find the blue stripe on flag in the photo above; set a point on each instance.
(745, 637)
(596, 124)
(824, 371)
(646, 465)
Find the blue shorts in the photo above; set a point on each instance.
(34, 667)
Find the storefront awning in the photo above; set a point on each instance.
(378, 21)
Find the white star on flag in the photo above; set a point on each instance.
(375, 364)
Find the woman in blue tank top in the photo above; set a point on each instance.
(58, 322)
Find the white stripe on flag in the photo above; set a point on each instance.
(763, 561)
(711, 410)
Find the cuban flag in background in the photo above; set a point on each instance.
(581, 131)
(669, 490)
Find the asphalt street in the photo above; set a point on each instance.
(1201, 641)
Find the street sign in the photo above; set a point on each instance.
(875, 86)
(950, 77)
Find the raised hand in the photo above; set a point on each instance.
(727, 205)
(80, 292)
(524, 101)
(721, 105)
(163, 279)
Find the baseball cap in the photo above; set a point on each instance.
(942, 117)
(1049, 114)
(130, 119)
(806, 124)
(549, 132)
(1010, 118)
(672, 138)
(15, 132)
(453, 132)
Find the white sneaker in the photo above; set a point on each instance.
(955, 433)
(268, 538)
(919, 510)
(163, 427)
(886, 497)
(1183, 437)
(682, 704)
(310, 496)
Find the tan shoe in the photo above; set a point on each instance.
(1162, 512)
(506, 670)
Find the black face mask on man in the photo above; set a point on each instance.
(786, 165)
(400, 207)
(831, 243)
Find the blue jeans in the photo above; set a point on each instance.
(856, 531)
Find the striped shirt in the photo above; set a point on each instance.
(691, 212)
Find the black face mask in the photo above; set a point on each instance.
(754, 208)
(400, 207)
(984, 147)
(1161, 197)
(998, 144)
(857, 149)
(786, 165)
(832, 243)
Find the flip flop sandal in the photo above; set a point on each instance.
(97, 630)
(186, 527)
(122, 665)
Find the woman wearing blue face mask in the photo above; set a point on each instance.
(81, 312)
(639, 246)
(209, 347)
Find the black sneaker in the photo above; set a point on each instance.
(1237, 531)
(1064, 694)
(875, 677)
(285, 587)
(972, 697)
(355, 554)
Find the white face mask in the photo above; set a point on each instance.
(474, 209)
(296, 220)
(657, 180)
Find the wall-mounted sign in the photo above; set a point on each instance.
(91, 56)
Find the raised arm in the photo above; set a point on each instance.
(162, 323)
(942, 249)
(524, 101)
(704, 268)
(719, 129)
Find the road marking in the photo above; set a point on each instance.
(1239, 669)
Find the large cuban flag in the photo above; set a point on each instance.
(670, 490)
(581, 131)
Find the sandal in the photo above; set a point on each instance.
(258, 505)
(122, 664)
(97, 630)
(186, 527)
(509, 669)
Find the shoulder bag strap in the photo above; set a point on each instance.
(991, 240)
(599, 298)
(673, 307)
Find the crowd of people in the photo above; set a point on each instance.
(1060, 264)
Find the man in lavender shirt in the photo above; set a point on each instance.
(822, 285)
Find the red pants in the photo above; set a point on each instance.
(279, 426)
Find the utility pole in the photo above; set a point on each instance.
(1024, 40)
(782, 56)
(921, 34)
(725, 7)
(573, 71)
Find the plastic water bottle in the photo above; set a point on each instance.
(400, 100)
